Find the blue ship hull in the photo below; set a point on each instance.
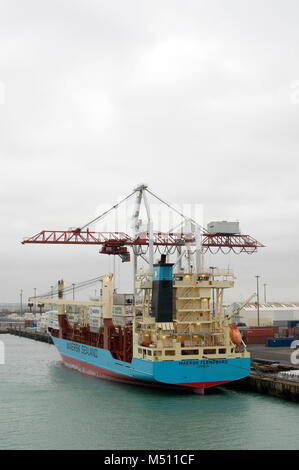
(189, 373)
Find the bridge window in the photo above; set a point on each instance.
(170, 353)
(209, 351)
(189, 352)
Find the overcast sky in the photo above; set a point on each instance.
(198, 99)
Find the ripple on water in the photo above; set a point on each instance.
(45, 405)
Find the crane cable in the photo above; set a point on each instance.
(101, 216)
(178, 212)
(76, 287)
(106, 212)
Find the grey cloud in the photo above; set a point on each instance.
(192, 97)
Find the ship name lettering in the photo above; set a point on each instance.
(73, 346)
(188, 363)
(89, 351)
(213, 361)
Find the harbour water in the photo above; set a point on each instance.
(45, 405)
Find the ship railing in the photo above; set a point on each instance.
(221, 272)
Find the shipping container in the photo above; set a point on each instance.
(256, 339)
(280, 342)
(223, 227)
(281, 323)
(262, 331)
(30, 324)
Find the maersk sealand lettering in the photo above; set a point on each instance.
(73, 346)
(82, 348)
(88, 351)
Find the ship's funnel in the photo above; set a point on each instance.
(162, 294)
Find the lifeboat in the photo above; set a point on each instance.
(235, 334)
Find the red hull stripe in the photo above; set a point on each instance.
(96, 371)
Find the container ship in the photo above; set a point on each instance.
(180, 336)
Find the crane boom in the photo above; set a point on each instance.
(78, 237)
(117, 243)
(240, 307)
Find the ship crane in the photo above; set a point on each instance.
(119, 243)
(240, 307)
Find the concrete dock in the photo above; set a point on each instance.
(283, 355)
(268, 381)
(27, 333)
(268, 384)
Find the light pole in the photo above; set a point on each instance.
(265, 292)
(35, 301)
(212, 269)
(21, 301)
(258, 300)
(52, 287)
(73, 291)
